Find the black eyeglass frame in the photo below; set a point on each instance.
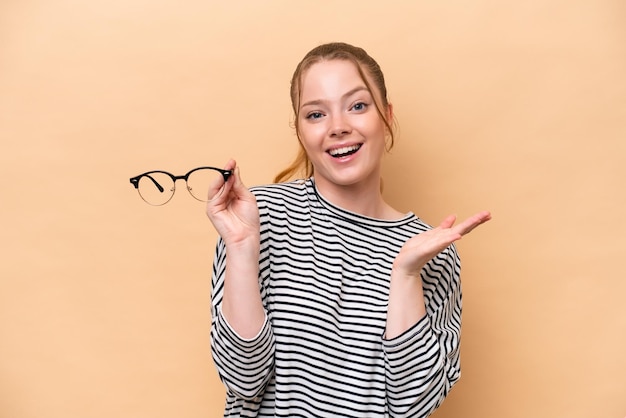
(135, 180)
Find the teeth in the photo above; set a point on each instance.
(344, 150)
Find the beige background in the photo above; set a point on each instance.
(517, 107)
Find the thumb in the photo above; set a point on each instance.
(219, 185)
(238, 187)
(448, 222)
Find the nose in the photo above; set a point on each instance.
(339, 126)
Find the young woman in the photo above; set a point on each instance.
(327, 301)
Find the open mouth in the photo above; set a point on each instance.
(344, 151)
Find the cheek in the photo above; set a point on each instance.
(311, 134)
(381, 127)
(373, 128)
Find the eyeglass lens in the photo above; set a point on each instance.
(158, 188)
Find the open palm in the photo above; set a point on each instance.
(421, 248)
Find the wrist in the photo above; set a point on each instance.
(243, 247)
(401, 274)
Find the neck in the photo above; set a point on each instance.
(364, 199)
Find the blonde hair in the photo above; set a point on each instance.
(365, 65)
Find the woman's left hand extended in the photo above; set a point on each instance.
(421, 248)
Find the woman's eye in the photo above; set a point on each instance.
(359, 106)
(314, 115)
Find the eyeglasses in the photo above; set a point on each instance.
(157, 187)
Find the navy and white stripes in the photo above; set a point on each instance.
(324, 279)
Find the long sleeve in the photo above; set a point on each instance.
(324, 283)
(423, 363)
(244, 365)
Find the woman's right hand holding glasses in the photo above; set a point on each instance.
(233, 210)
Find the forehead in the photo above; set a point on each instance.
(330, 78)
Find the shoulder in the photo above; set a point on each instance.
(415, 225)
(279, 191)
(293, 193)
(420, 225)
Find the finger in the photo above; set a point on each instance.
(472, 222)
(238, 187)
(230, 165)
(219, 187)
(215, 188)
(448, 221)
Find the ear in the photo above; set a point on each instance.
(389, 114)
(388, 132)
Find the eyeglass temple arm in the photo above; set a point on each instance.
(135, 182)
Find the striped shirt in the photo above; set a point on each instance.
(324, 276)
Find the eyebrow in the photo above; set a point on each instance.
(348, 94)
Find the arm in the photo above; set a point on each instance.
(423, 363)
(235, 215)
(422, 351)
(241, 338)
(245, 365)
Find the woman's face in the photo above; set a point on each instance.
(339, 126)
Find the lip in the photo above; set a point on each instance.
(345, 158)
(344, 145)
